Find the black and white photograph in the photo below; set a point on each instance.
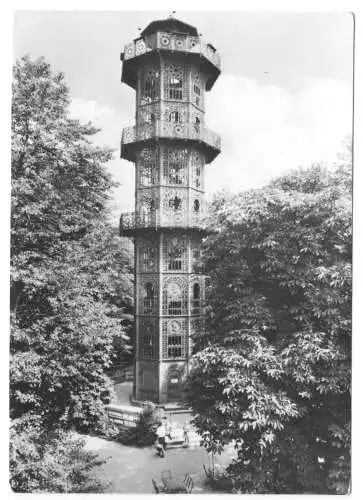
(181, 250)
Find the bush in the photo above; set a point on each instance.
(144, 433)
(53, 462)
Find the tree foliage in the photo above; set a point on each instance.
(53, 462)
(144, 434)
(272, 374)
(71, 284)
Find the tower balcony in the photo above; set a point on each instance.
(191, 46)
(132, 223)
(133, 137)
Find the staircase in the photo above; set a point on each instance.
(177, 439)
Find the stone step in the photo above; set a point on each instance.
(177, 440)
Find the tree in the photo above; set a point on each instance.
(272, 374)
(50, 462)
(71, 284)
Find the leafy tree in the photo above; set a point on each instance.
(50, 462)
(272, 374)
(71, 286)
(69, 279)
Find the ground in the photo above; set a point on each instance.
(130, 470)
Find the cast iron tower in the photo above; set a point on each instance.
(170, 69)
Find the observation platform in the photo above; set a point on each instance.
(133, 137)
(204, 54)
(132, 223)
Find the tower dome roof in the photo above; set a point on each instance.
(169, 25)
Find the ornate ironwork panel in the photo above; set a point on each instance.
(148, 344)
(175, 253)
(174, 338)
(147, 294)
(147, 254)
(175, 296)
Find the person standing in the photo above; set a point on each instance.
(186, 429)
(160, 434)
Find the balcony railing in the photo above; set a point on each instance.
(172, 41)
(164, 129)
(132, 221)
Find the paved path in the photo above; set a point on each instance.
(130, 470)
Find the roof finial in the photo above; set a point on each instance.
(172, 14)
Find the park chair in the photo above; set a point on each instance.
(156, 487)
(188, 482)
(166, 474)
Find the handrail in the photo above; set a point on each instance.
(161, 128)
(171, 41)
(153, 220)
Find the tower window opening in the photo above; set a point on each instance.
(175, 259)
(176, 303)
(196, 89)
(176, 174)
(148, 346)
(175, 117)
(175, 203)
(196, 206)
(175, 88)
(147, 177)
(174, 346)
(150, 90)
(147, 215)
(148, 162)
(175, 166)
(148, 258)
(149, 298)
(196, 299)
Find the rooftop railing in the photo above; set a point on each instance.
(169, 130)
(172, 41)
(132, 221)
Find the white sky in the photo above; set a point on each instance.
(284, 98)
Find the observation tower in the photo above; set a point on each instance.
(170, 68)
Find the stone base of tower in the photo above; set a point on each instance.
(160, 382)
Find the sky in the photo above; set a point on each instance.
(284, 97)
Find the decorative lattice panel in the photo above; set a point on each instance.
(150, 84)
(148, 166)
(147, 254)
(175, 253)
(175, 112)
(147, 207)
(175, 76)
(196, 208)
(175, 165)
(174, 338)
(197, 88)
(175, 296)
(151, 41)
(174, 206)
(148, 339)
(195, 254)
(196, 294)
(196, 117)
(149, 113)
(147, 291)
(197, 170)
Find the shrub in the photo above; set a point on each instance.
(144, 432)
